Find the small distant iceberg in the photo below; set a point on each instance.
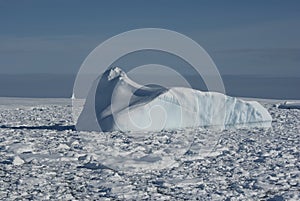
(116, 103)
(289, 105)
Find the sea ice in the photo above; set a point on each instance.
(115, 102)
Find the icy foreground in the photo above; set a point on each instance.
(43, 158)
(121, 104)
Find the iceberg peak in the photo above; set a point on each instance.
(115, 72)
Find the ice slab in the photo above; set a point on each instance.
(289, 105)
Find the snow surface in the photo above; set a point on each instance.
(122, 104)
(43, 157)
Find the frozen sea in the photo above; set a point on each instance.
(43, 157)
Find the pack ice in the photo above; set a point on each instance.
(115, 102)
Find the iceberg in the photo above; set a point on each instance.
(117, 103)
(289, 105)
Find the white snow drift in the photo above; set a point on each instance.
(117, 103)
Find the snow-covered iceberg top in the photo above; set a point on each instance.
(118, 103)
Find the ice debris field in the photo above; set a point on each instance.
(42, 157)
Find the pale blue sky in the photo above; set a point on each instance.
(243, 37)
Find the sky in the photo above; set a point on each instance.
(242, 37)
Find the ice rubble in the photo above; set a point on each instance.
(122, 104)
